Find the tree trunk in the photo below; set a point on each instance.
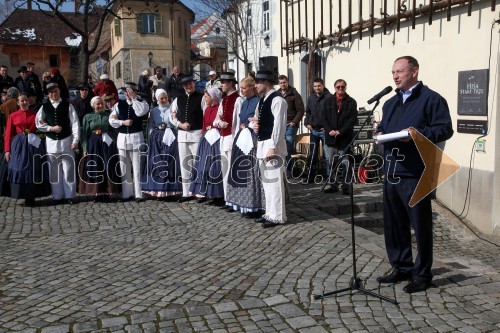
(84, 61)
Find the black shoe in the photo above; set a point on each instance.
(253, 215)
(185, 199)
(332, 189)
(70, 201)
(269, 224)
(124, 199)
(218, 202)
(415, 287)
(225, 207)
(98, 198)
(231, 210)
(201, 200)
(139, 200)
(260, 220)
(29, 202)
(346, 191)
(394, 277)
(57, 201)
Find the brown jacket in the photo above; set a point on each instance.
(295, 103)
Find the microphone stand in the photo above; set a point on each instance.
(356, 284)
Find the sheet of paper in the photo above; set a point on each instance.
(391, 136)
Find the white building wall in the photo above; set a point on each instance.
(442, 49)
(255, 45)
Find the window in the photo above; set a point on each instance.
(14, 59)
(118, 70)
(265, 16)
(148, 23)
(53, 60)
(118, 27)
(249, 20)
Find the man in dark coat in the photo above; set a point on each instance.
(313, 122)
(339, 114)
(5, 80)
(423, 109)
(35, 80)
(82, 102)
(174, 84)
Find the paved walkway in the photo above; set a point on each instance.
(165, 267)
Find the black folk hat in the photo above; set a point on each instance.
(22, 69)
(265, 75)
(186, 79)
(52, 85)
(130, 85)
(228, 76)
(82, 86)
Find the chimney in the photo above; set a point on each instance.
(78, 4)
(29, 5)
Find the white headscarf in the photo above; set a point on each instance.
(92, 101)
(158, 92)
(215, 94)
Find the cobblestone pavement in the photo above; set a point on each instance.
(168, 267)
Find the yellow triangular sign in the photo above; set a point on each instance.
(438, 167)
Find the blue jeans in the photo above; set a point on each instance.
(290, 135)
(316, 137)
(347, 165)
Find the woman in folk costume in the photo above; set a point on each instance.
(161, 171)
(206, 181)
(99, 164)
(244, 190)
(25, 152)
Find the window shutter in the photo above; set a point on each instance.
(139, 24)
(158, 24)
(118, 30)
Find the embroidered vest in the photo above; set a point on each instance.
(126, 111)
(227, 112)
(266, 117)
(58, 116)
(189, 110)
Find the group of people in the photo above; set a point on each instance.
(224, 147)
(217, 146)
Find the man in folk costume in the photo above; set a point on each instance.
(186, 113)
(59, 119)
(224, 121)
(270, 127)
(127, 117)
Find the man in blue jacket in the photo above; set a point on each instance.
(417, 106)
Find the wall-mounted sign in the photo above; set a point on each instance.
(472, 126)
(473, 92)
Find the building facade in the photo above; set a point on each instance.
(248, 25)
(454, 41)
(28, 35)
(161, 33)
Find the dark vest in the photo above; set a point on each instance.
(266, 118)
(58, 116)
(189, 110)
(227, 112)
(126, 111)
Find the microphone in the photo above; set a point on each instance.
(381, 94)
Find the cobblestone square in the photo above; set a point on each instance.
(167, 267)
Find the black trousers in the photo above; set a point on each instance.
(398, 217)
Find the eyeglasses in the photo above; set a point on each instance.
(340, 87)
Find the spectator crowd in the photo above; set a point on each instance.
(230, 146)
